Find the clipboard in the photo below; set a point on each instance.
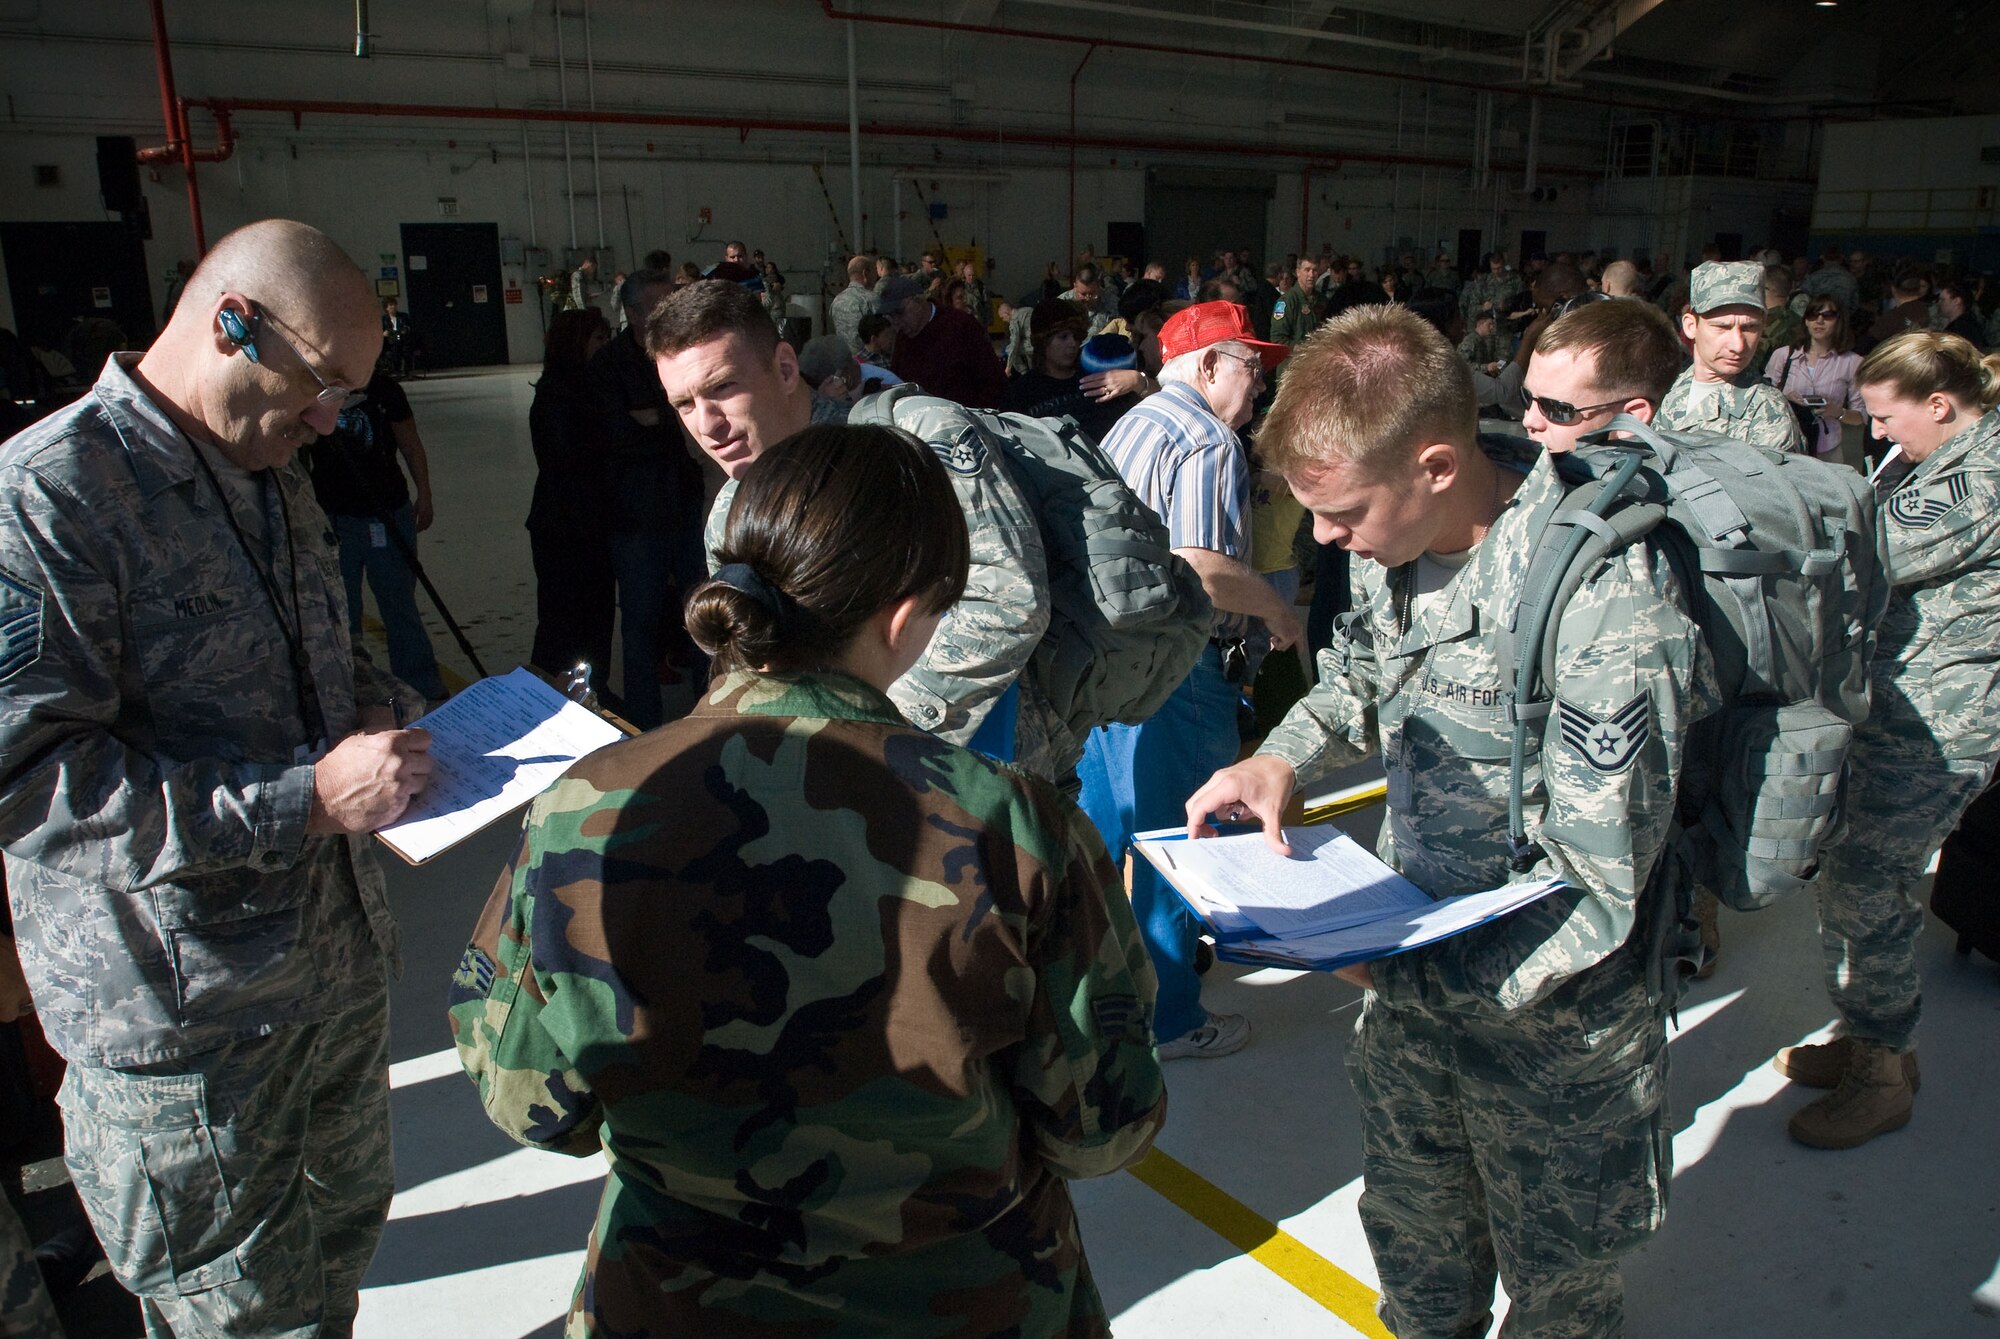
(497, 744)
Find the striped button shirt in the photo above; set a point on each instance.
(1189, 467)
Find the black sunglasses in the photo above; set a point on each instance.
(1561, 412)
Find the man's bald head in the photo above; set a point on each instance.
(1621, 279)
(312, 324)
(292, 268)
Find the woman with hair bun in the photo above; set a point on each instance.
(843, 1003)
(1932, 736)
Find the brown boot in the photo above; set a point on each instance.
(1821, 1064)
(1873, 1098)
(1706, 910)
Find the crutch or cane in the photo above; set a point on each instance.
(387, 516)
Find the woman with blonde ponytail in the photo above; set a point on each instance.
(843, 1003)
(1932, 737)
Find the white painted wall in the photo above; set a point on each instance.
(78, 70)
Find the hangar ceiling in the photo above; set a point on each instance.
(1864, 57)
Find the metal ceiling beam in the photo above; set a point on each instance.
(1147, 13)
(1612, 17)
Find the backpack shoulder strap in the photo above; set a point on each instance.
(1602, 515)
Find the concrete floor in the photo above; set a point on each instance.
(1765, 1238)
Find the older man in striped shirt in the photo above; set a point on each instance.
(1179, 451)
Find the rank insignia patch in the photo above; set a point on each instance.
(964, 454)
(1610, 743)
(20, 625)
(1922, 508)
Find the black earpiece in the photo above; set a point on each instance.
(239, 332)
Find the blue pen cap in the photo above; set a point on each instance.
(1108, 353)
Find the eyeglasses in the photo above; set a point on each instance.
(1560, 412)
(1822, 316)
(332, 396)
(1251, 361)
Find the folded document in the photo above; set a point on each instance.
(1331, 903)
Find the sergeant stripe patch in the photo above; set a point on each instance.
(1922, 508)
(20, 624)
(1607, 744)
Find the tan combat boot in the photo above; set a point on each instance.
(1873, 1097)
(1821, 1064)
(1707, 908)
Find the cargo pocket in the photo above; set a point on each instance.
(142, 1155)
(1603, 1186)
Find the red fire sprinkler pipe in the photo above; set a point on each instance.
(178, 144)
(1072, 148)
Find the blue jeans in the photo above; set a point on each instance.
(649, 567)
(395, 587)
(1137, 777)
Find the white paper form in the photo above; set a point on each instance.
(1379, 939)
(496, 745)
(1329, 882)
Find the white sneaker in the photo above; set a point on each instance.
(1221, 1034)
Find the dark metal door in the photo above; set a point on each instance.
(66, 277)
(452, 280)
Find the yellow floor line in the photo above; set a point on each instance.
(1263, 1241)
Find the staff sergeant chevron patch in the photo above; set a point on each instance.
(1922, 508)
(1607, 744)
(20, 624)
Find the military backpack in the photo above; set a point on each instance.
(1779, 559)
(1128, 619)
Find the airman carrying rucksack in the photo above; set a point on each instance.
(1128, 619)
(1779, 557)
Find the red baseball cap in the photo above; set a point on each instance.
(1207, 323)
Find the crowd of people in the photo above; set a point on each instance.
(838, 969)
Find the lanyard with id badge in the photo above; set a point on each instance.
(293, 631)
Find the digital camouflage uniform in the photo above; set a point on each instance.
(1783, 328)
(987, 641)
(1479, 350)
(1932, 737)
(25, 1309)
(216, 978)
(1487, 289)
(1747, 409)
(849, 305)
(1442, 276)
(842, 1003)
(1512, 1080)
(1295, 317)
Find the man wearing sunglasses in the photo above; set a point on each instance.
(190, 761)
(1597, 361)
(1724, 391)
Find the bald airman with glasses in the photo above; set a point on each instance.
(191, 757)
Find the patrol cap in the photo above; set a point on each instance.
(1735, 283)
(896, 290)
(1207, 323)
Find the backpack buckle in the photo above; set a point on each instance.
(1522, 854)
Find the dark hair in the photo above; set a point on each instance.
(873, 324)
(1631, 345)
(565, 350)
(633, 290)
(837, 522)
(657, 260)
(706, 310)
(1842, 339)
